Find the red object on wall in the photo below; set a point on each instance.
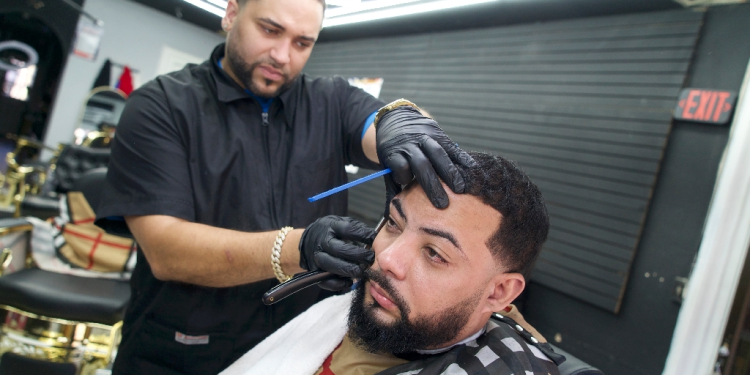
(125, 83)
(701, 105)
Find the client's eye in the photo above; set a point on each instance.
(434, 256)
(391, 225)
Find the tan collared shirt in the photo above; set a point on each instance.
(347, 359)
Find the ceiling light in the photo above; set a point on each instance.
(219, 3)
(208, 7)
(342, 3)
(353, 11)
(361, 7)
(400, 11)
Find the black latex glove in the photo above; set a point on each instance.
(413, 146)
(323, 247)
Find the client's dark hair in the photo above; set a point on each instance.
(523, 229)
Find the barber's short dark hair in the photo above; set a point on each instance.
(523, 229)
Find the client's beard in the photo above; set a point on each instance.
(403, 335)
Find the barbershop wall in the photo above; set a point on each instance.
(133, 35)
(633, 336)
(584, 106)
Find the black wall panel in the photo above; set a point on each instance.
(583, 106)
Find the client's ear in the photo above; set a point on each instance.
(507, 286)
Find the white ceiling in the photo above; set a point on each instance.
(341, 12)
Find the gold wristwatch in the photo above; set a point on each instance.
(393, 105)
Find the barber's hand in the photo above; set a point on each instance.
(413, 146)
(323, 247)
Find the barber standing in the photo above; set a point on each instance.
(211, 168)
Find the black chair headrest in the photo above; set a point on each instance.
(74, 161)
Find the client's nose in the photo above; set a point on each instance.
(395, 259)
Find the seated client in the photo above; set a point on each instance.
(425, 305)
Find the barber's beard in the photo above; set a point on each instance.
(244, 71)
(404, 335)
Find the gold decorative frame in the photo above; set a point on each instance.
(93, 136)
(14, 187)
(90, 346)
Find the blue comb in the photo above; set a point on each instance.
(351, 184)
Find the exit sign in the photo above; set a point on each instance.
(702, 105)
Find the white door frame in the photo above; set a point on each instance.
(721, 256)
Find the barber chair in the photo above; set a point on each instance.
(55, 320)
(71, 164)
(571, 366)
(14, 364)
(98, 139)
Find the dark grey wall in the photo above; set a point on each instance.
(583, 106)
(637, 340)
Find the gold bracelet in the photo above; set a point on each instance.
(391, 106)
(276, 255)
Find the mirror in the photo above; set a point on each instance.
(18, 60)
(99, 117)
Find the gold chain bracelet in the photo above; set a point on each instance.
(276, 255)
(391, 106)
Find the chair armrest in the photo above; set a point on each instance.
(11, 225)
(15, 254)
(575, 366)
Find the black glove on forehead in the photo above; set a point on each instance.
(414, 146)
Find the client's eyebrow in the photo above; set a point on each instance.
(397, 203)
(447, 235)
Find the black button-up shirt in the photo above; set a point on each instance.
(194, 145)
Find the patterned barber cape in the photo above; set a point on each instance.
(505, 348)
